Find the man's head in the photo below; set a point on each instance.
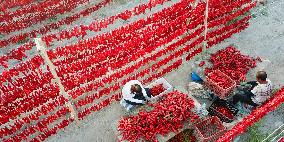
(136, 88)
(261, 76)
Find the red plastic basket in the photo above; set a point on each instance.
(209, 130)
(222, 93)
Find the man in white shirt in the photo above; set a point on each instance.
(259, 93)
(134, 94)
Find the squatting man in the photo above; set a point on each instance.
(134, 94)
(258, 93)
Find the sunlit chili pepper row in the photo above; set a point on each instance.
(168, 69)
(275, 101)
(91, 72)
(22, 106)
(35, 117)
(167, 115)
(222, 37)
(99, 106)
(220, 31)
(40, 127)
(42, 12)
(17, 54)
(226, 9)
(90, 99)
(43, 30)
(7, 4)
(31, 64)
(98, 25)
(21, 87)
(103, 41)
(225, 19)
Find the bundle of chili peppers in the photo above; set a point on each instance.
(225, 111)
(44, 10)
(11, 4)
(275, 101)
(167, 115)
(19, 124)
(219, 79)
(231, 62)
(157, 89)
(78, 30)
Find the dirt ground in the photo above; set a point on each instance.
(264, 38)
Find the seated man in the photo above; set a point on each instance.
(134, 94)
(258, 93)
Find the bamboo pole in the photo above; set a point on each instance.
(42, 51)
(206, 28)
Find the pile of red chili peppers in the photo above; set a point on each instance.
(225, 111)
(231, 62)
(220, 80)
(156, 90)
(167, 116)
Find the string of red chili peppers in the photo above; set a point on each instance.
(11, 4)
(77, 31)
(23, 124)
(44, 10)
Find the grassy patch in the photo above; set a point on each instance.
(254, 134)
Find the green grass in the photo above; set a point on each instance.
(254, 134)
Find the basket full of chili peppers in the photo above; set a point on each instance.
(220, 83)
(159, 87)
(209, 129)
(223, 110)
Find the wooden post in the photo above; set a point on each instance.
(206, 28)
(42, 51)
